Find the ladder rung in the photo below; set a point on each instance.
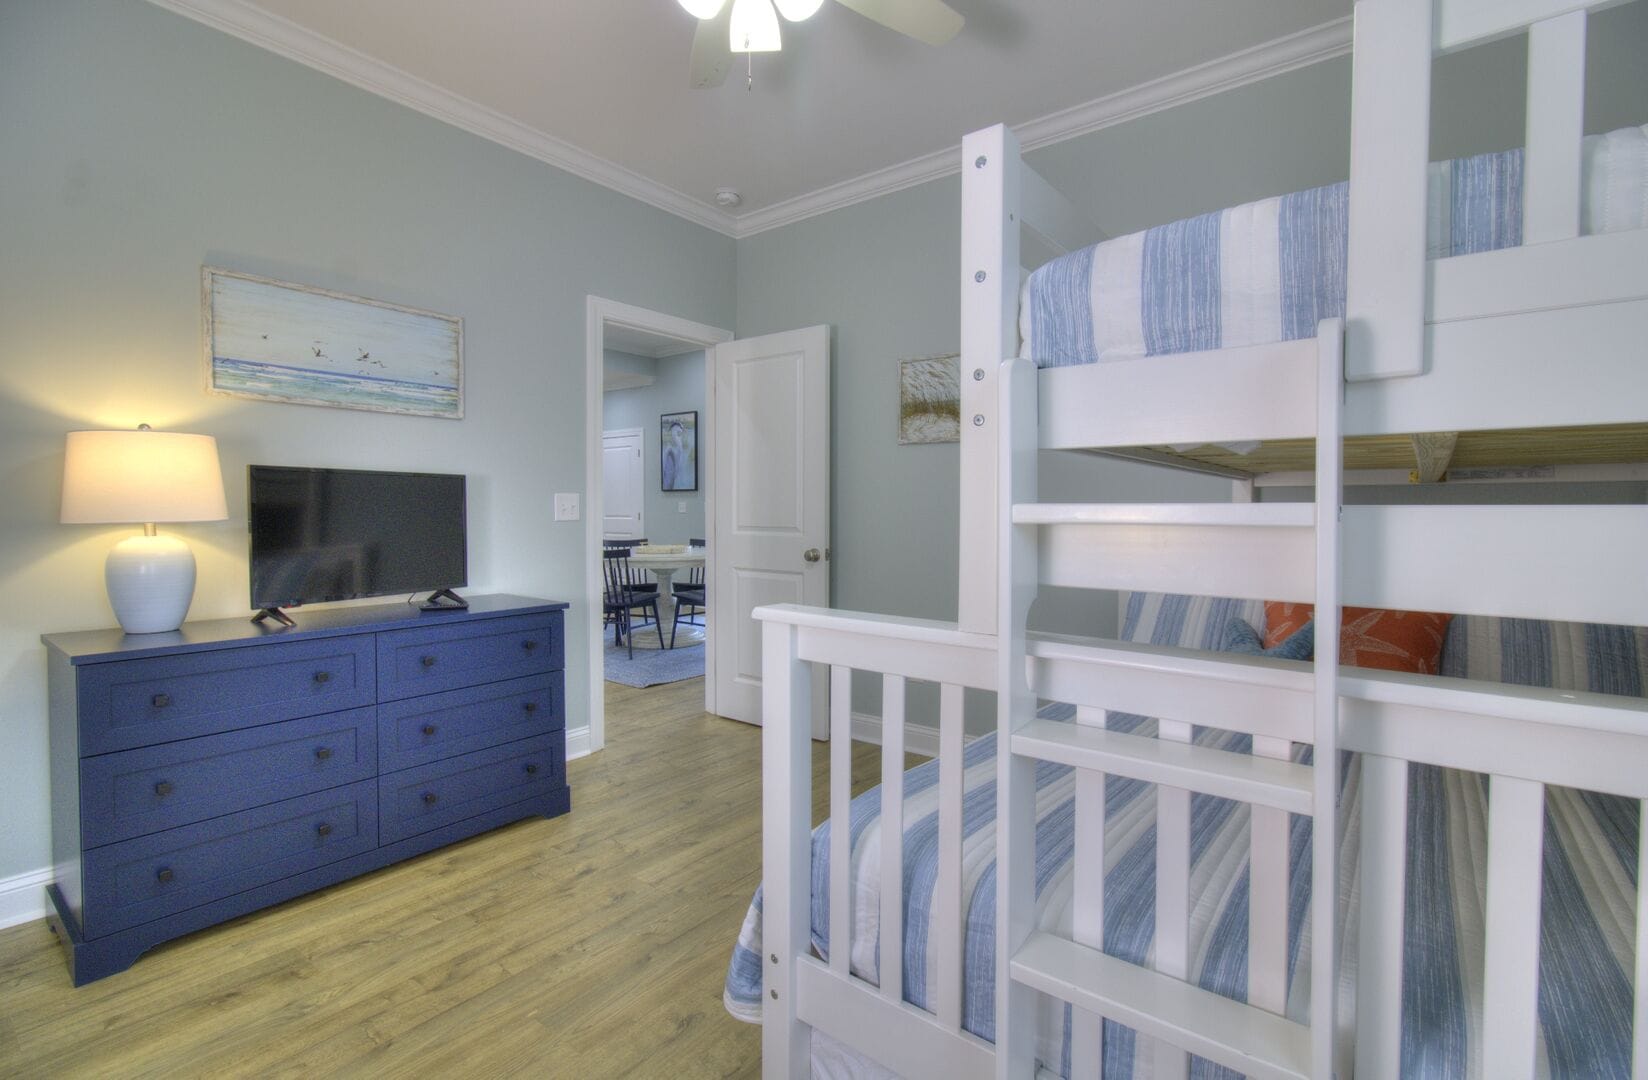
(1260, 1044)
(1240, 515)
(1261, 780)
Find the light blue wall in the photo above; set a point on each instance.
(672, 517)
(138, 145)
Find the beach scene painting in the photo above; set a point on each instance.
(277, 341)
(929, 399)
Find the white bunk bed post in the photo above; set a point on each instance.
(989, 331)
(1389, 151)
(1324, 894)
(786, 812)
(1015, 705)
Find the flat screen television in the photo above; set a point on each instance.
(341, 534)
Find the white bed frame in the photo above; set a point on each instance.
(1547, 334)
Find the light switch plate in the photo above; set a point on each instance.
(681, 507)
(566, 506)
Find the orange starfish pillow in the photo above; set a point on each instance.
(1370, 637)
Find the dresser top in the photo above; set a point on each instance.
(98, 646)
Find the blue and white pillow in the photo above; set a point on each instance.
(1241, 637)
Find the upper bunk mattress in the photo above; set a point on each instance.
(1271, 270)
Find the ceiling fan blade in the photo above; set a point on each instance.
(711, 54)
(931, 21)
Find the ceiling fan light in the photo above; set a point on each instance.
(703, 9)
(797, 10)
(753, 27)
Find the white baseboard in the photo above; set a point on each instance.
(919, 739)
(577, 743)
(23, 897)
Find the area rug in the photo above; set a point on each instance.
(653, 667)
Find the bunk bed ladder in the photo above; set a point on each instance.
(1242, 549)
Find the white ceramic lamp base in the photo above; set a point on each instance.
(151, 581)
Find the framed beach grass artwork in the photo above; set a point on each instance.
(929, 399)
(277, 341)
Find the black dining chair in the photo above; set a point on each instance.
(689, 594)
(622, 600)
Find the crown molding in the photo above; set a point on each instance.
(1252, 65)
(283, 37)
(244, 20)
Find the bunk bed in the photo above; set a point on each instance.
(1527, 766)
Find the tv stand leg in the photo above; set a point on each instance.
(276, 614)
(444, 600)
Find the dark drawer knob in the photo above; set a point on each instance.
(429, 661)
(529, 706)
(430, 798)
(531, 768)
(529, 644)
(164, 788)
(323, 829)
(322, 753)
(429, 729)
(163, 875)
(323, 677)
(160, 701)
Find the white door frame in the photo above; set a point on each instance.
(598, 313)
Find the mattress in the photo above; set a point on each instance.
(1271, 270)
(1589, 879)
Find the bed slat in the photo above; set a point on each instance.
(1383, 875)
(1268, 895)
(1556, 119)
(946, 937)
(891, 950)
(1172, 891)
(1639, 1070)
(1251, 695)
(1256, 562)
(1087, 897)
(1510, 1002)
(841, 840)
(1461, 23)
(1458, 558)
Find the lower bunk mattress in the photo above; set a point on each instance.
(1587, 939)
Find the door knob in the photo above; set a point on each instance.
(811, 555)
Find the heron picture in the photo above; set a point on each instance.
(678, 451)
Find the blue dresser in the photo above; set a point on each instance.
(205, 773)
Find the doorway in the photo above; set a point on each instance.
(634, 338)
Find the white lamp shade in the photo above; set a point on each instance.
(704, 9)
(753, 27)
(797, 10)
(118, 477)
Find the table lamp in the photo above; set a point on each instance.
(144, 476)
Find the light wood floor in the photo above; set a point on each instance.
(594, 944)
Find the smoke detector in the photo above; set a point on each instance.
(727, 197)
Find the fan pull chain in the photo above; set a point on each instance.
(749, 59)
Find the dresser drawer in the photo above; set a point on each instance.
(417, 800)
(140, 880)
(420, 730)
(141, 791)
(159, 699)
(434, 658)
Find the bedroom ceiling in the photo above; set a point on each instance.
(600, 86)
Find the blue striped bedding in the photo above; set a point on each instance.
(1589, 877)
(1270, 270)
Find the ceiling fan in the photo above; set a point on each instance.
(750, 26)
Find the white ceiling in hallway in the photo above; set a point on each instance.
(601, 85)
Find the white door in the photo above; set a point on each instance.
(771, 445)
(623, 478)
